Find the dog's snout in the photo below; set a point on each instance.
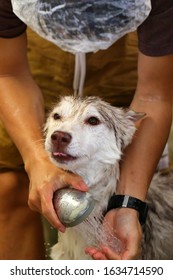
(61, 138)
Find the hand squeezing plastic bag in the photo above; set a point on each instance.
(82, 26)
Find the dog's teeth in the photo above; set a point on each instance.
(59, 154)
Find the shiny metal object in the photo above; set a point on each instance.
(72, 206)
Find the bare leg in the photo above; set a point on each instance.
(21, 235)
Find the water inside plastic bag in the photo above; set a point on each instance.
(82, 26)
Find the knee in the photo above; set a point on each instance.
(13, 189)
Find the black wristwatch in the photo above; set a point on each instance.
(126, 201)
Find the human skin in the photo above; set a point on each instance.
(153, 97)
(22, 112)
(22, 98)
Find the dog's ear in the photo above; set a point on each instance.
(129, 121)
(134, 116)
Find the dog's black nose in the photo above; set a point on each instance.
(60, 138)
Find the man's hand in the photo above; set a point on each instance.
(45, 179)
(125, 226)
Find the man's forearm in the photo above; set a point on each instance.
(22, 112)
(153, 97)
(142, 156)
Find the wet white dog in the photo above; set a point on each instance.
(87, 137)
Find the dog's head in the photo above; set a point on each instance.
(80, 131)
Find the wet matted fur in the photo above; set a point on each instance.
(87, 136)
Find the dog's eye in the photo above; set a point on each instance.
(93, 121)
(56, 116)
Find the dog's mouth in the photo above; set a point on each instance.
(62, 157)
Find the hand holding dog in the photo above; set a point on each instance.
(125, 225)
(45, 179)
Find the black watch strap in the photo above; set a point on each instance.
(126, 201)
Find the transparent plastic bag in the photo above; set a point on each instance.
(82, 25)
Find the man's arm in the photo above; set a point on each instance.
(154, 97)
(21, 106)
(22, 112)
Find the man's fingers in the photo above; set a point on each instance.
(76, 182)
(95, 253)
(110, 255)
(47, 209)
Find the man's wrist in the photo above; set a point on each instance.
(35, 156)
(126, 201)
